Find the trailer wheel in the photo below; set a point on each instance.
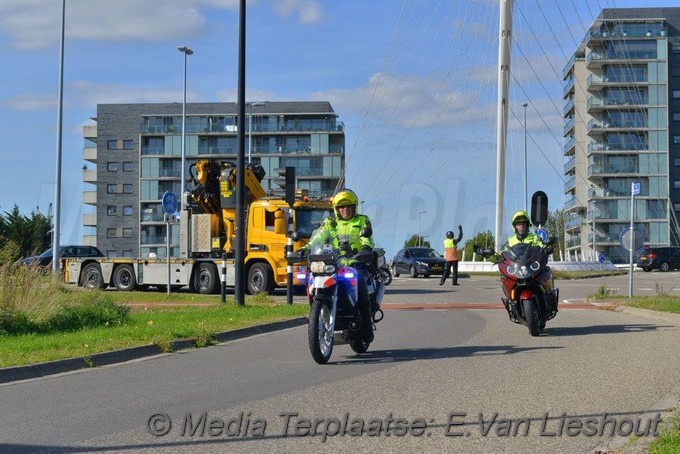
(124, 278)
(206, 281)
(260, 279)
(91, 277)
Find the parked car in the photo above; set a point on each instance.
(418, 261)
(45, 259)
(661, 258)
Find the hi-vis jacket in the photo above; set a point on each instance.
(451, 248)
(341, 232)
(531, 239)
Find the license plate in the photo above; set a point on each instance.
(436, 267)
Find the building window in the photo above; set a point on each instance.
(111, 210)
(127, 210)
(676, 139)
(676, 162)
(127, 167)
(675, 71)
(111, 144)
(111, 254)
(111, 188)
(676, 94)
(127, 233)
(127, 189)
(112, 166)
(111, 233)
(676, 116)
(127, 144)
(127, 252)
(676, 184)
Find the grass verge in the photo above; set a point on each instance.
(150, 324)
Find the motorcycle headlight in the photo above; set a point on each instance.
(520, 271)
(321, 267)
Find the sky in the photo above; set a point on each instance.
(413, 81)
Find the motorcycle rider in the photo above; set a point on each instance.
(344, 232)
(520, 225)
(451, 255)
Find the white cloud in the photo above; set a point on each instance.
(308, 11)
(36, 24)
(32, 102)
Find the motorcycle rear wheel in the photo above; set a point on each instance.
(320, 330)
(531, 316)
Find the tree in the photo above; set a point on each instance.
(26, 235)
(483, 239)
(555, 226)
(417, 240)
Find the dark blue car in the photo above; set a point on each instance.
(418, 261)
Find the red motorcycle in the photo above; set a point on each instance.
(527, 282)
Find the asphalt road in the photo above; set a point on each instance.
(447, 379)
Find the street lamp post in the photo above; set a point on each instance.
(420, 218)
(526, 197)
(186, 51)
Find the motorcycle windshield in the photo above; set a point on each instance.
(321, 243)
(523, 254)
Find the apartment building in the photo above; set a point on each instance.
(137, 152)
(622, 126)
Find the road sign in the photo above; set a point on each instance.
(638, 238)
(542, 234)
(636, 188)
(169, 203)
(600, 257)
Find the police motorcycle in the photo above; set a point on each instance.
(332, 288)
(526, 279)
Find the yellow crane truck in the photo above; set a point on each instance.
(207, 231)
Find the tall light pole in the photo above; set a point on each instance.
(526, 196)
(186, 51)
(420, 218)
(57, 189)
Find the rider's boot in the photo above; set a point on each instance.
(367, 323)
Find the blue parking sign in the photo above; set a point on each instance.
(636, 188)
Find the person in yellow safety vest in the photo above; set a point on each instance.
(520, 225)
(451, 256)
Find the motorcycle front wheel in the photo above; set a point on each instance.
(385, 276)
(531, 316)
(320, 330)
(359, 345)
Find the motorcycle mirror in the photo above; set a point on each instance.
(367, 232)
(295, 236)
(539, 208)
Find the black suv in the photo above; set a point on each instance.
(661, 258)
(45, 258)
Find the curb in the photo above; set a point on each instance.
(17, 373)
(648, 313)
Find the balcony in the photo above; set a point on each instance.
(574, 241)
(90, 240)
(612, 169)
(571, 143)
(90, 198)
(570, 164)
(90, 154)
(90, 131)
(90, 220)
(573, 221)
(569, 87)
(568, 67)
(89, 175)
(569, 183)
(568, 126)
(568, 108)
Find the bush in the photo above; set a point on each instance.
(33, 301)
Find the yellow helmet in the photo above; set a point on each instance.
(345, 198)
(520, 216)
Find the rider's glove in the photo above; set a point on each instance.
(366, 249)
